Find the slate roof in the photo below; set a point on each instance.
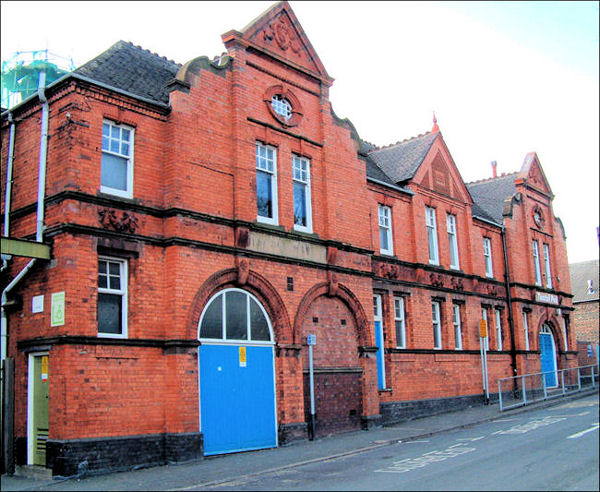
(489, 196)
(581, 272)
(400, 161)
(132, 69)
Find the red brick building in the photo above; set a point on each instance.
(205, 218)
(586, 314)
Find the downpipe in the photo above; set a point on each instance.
(511, 323)
(40, 213)
(7, 200)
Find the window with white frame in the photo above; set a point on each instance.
(116, 173)
(266, 183)
(547, 266)
(452, 240)
(437, 325)
(281, 106)
(302, 202)
(486, 344)
(526, 329)
(536, 263)
(235, 315)
(487, 256)
(385, 230)
(399, 321)
(498, 328)
(434, 258)
(456, 321)
(112, 297)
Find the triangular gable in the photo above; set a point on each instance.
(439, 173)
(278, 33)
(533, 174)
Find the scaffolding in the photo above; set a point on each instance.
(21, 74)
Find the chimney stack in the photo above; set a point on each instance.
(494, 169)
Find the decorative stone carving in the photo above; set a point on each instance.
(123, 223)
(332, 284)
(283, 33)
(243, 270)
(457, 283)
(436, 279)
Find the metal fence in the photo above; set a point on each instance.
(529, 388)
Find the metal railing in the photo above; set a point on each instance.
(522, 390)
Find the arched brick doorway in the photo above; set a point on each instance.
(337, 370)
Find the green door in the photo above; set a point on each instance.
(40, 409)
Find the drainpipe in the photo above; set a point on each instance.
(9, 168)
(40, 216)
(511, 323)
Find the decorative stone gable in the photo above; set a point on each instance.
(441, 175)
(279, 32)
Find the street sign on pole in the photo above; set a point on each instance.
(311, 340)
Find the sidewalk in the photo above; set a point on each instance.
(214, 470)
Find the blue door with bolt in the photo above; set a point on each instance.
(548, 357)
(237, 398)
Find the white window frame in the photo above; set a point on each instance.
(456, 321)
(498, 315)
(434, 257)
(536, 263)
(437, 324)
(526, 329)
(281, 106)
(123, 292)
(400, 321)
(297, 174)
(452, 241)
(385, 226)
(223, 340)
(487, 255)
(128, 193)
(274, 220)
(546, 250)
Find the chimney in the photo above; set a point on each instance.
(494, 169)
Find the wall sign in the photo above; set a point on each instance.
(37, 304)
(58, 309)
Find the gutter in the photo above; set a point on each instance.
(393, 187)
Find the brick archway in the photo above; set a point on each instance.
(256, 285)
(346, 296)
(555, 327)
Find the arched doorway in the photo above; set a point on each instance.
(237, 376)
(548, 356)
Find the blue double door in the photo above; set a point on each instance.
(237, 398)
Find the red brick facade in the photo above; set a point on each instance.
(190, 230)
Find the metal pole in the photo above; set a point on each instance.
(578, 379)
(544, 385)
(487, 385)
(312, 392)
(524, 390)
(500, 393)
(482, 363)
(562, 381)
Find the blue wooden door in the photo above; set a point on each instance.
(237, 398)
(548, 359)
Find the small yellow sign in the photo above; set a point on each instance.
(483, 328)
(242, 356)
(44, 368)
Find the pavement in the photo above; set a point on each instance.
(212, 471)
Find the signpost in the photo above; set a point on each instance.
(483, 333)
(311, 340)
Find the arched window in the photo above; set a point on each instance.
(235, 315)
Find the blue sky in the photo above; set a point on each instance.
(504, 78)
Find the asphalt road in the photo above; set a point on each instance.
(548, 449)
